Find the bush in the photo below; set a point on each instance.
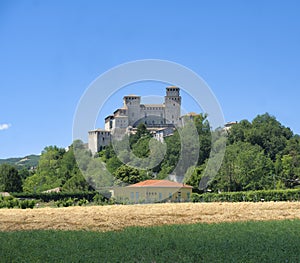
(27, 204)
(9, 202)
(249, 196)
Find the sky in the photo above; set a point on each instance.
(51, 51)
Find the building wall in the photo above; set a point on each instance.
(172, 105)
(152, 194)
(132, 104)
(98, 139)
(153, 114)
(93, 142)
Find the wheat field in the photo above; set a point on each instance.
(117, 217)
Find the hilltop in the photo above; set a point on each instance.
(22, 162)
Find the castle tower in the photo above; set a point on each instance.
(172, 105)
(132, 104)
(97, 139)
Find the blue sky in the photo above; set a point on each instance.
(50, 51)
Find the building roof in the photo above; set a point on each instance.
(172, 87)
(54, 190)
(109, 117)
(160, 183)
(193, 114)
(99, 130)
(230, 123)
(132, 95)
(4, 194)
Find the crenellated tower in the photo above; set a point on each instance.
(133, 105)
(172, 105)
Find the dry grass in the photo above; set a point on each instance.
(117, 217)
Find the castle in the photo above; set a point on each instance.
(160, 119)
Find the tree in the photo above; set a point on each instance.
(268, 133)
(141, 132)
(10, 180)
(203, 129)
(77, 183)
(264, 131)
(130, 175)
(245, 167)
(290, 170)
(47, 175)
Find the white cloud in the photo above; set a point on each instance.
(4, 126)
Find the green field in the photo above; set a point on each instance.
(272, 241)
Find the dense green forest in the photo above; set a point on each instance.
(261, 154)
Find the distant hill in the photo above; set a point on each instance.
(23, 162)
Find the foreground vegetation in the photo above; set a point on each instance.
(260, 155)
(249, 196)
(272, 241)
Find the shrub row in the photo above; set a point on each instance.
(71, 202)
(47, 197)
(11, 202)
(249, 196)
(98, 199)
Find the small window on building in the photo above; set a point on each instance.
(131, 195)
(160, 196)
(188, 196)
(137, 196)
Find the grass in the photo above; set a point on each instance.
(268, 241)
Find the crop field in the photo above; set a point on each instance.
(186, 232)
(117, 217)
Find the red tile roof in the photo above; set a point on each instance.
(160, 183)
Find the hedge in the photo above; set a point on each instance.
(249, 196)
(46, 197)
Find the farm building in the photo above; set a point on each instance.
(4, 194)
(151, 191)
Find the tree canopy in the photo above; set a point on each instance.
(260, 154)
